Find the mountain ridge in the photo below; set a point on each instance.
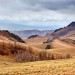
(64, 31)
(6, 35)
(27, 33)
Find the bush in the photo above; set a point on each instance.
(23, 56)
(42, 55)
(4, 52)
(28, 56)
(68, 56)
(48, 47)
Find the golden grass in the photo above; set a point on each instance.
(36, 53)
(63, 51)
(49, 67)
(11, 45)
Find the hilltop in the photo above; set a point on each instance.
(68, 31)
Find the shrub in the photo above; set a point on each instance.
(42, 55)
(68, 56)
(4, 52)
(23, 56)
(28, 56)
(48, 47)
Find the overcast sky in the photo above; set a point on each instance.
(36, 14)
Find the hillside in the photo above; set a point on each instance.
(27, 33)
(69, 35)
(65, 32)
(10, 47)
(15, 52)
(55, 45)
(6, 35)
(62, 33)
(38, 39)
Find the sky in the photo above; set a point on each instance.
(36, 14)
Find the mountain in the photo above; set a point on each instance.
(6, 35)
(68, 31)
(27, 33)
(71, 24)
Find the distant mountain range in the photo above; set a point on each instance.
(67, 32)
(27, 33)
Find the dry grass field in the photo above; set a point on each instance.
(60, 65)
(48, 67)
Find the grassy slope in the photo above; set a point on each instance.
(10, 45)
(52, 67)
(49, 67)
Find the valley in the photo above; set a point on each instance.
(52, 54)
(37, 37)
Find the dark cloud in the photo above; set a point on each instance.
(38, 5)
(50, 4)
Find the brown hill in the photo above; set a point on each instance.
(69, 35)
(65, 32)
(38, 39)
(6, 35)
(22, 52)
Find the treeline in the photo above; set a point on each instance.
(27, 56)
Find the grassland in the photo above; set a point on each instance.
(48, 67)
(8, 66)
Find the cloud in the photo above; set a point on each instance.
(49, 4)
(38, 12)
(35, 5)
